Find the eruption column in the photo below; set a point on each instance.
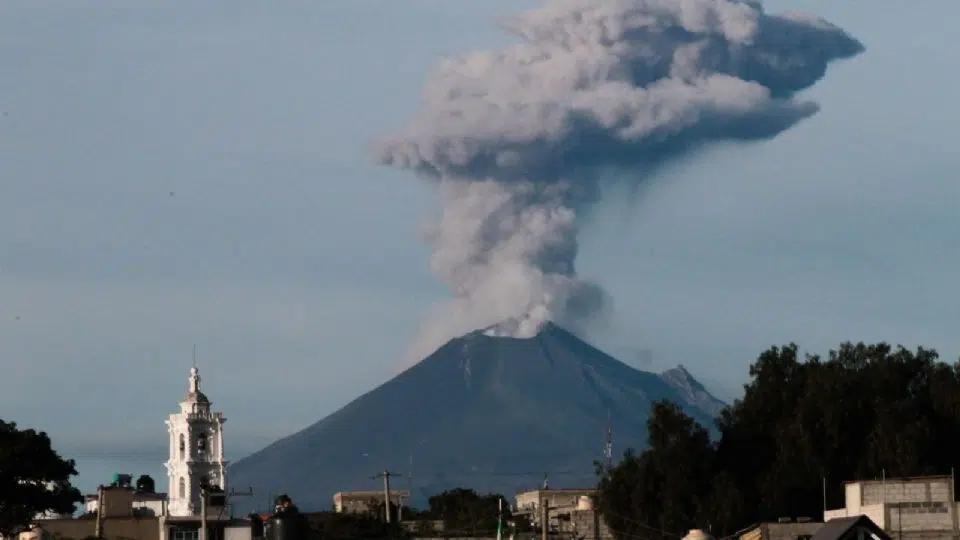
(518, 141)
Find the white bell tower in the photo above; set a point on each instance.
(196, 451)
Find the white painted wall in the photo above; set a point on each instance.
(237, 533)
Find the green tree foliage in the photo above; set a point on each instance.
(33, 478)
(863, 411)
(465, 512)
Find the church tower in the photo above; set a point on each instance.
(196, 451)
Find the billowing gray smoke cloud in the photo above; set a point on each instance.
(516, 139)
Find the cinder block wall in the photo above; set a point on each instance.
(896, 491)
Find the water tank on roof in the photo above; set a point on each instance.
(122, 480)
(287, 523)
(698, 534)
(256, 526)
(145, 484)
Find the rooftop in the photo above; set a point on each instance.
(891, 479)
(560, 490)
(137, 496)
(836, 529)
(372, 493)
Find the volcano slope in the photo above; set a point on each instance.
(489, 413)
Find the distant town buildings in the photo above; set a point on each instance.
(922, 508)
(360, 502)
(558, 501)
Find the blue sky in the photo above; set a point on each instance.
(176, 174)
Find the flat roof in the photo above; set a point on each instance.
(136, 496)
(561, 490)
(212, 517)
(895, 479)
(372, 493)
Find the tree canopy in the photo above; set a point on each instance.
(33, 478)
(466, 512)
(863, 411)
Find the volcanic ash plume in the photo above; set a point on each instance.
(517, 140)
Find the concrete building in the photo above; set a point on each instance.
(569, 510)
(580, 522)
(142, 499)
(560, 498)
(145, 504)
(785, 529)
(118, 521)
(360, 502)
(196, 450)
(906, 508)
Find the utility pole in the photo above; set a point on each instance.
(386, 492)
(203, 513)
(545, 507)
(608, 447)
(409, 489)
(99, 532)
(234, 493)
(544, 517)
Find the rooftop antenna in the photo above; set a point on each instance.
(608, 448)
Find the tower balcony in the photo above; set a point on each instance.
(205, 416)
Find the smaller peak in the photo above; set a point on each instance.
(680, 370)
(680, 376)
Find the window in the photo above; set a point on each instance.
(202, 444)
(183, 488)
(183, 446)
(185, 534)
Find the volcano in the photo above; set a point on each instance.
(484, 411)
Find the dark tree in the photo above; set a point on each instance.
(865, 411)
(346, 526)
(33, 478)
(466, 513)
(666, 487)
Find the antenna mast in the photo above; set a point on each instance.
(608, 448)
